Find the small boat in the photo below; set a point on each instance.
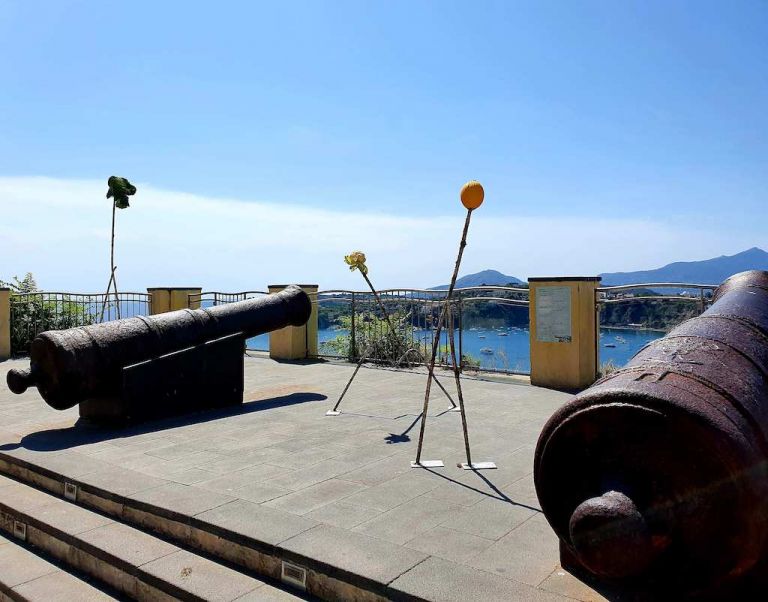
(487, 351)
(611, 345)
(481, 336)
(503, 334)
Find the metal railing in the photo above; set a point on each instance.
(607, 295)
(33, 313)
(691, 299)
(214, 298)
(352, 322)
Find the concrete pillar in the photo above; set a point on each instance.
(159, 300)
(295, 342)
(563, 332)
(180, 298)
(165, 299)
(5, 323)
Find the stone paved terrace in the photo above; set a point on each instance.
(337, 489)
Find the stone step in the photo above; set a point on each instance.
(26, 577)
(310, 558)
(134, 563)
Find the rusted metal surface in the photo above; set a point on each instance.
(78, 364)
(659, 471)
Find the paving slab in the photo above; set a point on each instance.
(18, 566)
(527, 554)
(491, 518)
(23, 496)
(444, 581)
(267, 593)
(316, 496)
(71, 463)
(60, 586)
(128, 544)
(67, 518)
(251, 520)
(343, 515)
(121, 481)
(403, 523)
(563, 583)
(396, 491)
(197, 576)
(354, 552)
(449, 544)
(182, 499)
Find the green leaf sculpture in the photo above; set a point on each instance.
(120, 189)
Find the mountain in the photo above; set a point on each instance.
(708, 271)
(486, 277)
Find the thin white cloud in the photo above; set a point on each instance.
(59, 230)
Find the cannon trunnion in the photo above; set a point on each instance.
(144, 367)
(659, 472)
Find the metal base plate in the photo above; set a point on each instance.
(478, 466)
(428, 464)
(332, 413)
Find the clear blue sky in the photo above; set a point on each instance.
(650, 110)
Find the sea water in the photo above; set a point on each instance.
(505, 349)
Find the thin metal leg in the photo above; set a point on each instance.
(468, 465)
(451, 340)
(436, 341)
(434, 376)
(425, 408)
(335, 411)
(447, 394)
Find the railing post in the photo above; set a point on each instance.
(295, 342)
(5, 323)
(563, 332)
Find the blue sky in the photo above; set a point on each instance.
(644, 118)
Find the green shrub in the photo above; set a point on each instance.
(32, 313)
(374, 338)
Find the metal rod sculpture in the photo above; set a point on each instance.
(472, 195)
(659, 471)
(356, 261)
(119, 191)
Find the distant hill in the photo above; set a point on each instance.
(486, 277)
(708, 271)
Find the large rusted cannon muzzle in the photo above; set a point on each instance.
(71, 366)
(661, 468)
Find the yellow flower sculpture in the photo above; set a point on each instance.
(356, 261)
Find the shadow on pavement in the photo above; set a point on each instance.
(84, 432)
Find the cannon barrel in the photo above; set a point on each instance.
(71, 366)
(660, 469)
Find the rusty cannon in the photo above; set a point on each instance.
(658, 473)
(145, 367)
